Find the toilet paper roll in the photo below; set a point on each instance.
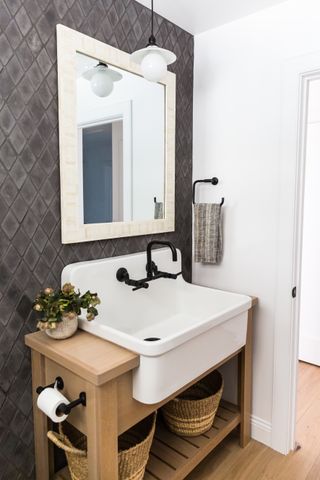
(48, 402)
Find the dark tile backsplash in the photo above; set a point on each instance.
(31, 254)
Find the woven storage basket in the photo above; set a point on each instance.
(192, 413)
(134, 448)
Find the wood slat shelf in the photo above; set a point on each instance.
(173, 457)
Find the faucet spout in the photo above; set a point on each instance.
(150, 265)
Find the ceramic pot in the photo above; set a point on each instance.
(65, 329)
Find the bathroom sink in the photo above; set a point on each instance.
(180, 330)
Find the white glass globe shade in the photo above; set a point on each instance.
(101, 84)
(154, 67)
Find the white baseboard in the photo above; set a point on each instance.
(261, 430)
(309, 349)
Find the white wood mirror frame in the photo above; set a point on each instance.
(69, 42)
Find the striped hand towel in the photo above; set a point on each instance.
(207, 233)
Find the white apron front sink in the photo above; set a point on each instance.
(197, 327)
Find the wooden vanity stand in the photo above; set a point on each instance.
(104, 371)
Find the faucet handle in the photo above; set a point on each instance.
(154, 268)
(174, 276)
(140, 284)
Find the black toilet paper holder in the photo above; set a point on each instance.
(64, 408)
(58, 381)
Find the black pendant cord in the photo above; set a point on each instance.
(152, 19)
(152, 39)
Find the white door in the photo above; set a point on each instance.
(309, 341)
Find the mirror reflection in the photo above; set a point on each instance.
(121, 144)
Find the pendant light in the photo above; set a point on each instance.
(101, 78)
(153, 59)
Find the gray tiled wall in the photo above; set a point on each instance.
(31, 254)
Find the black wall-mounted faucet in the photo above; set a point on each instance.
(152, 270)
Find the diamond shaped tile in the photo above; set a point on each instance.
(23, 21)
(18, 174)
(17, 139)
(25, 54)
(13, 33)
(9, 191)
(6, 120)
(15, 69)
(6, 50)
(10, 225)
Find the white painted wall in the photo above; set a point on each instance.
(237, 118)
(309, 350)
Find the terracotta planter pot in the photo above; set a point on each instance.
(65, 329)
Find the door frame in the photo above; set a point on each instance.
(296, 75)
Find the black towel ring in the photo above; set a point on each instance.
(213, 181)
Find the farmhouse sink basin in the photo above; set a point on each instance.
(179, 330)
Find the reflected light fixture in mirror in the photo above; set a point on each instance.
(102, 79)
(153, 59)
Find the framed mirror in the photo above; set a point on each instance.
(117, 143)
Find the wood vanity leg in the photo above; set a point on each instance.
(245, 385)
(43, 450)
(102, 431)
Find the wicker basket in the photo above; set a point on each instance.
(134, 448)
(192, 413)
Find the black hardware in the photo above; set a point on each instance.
(123, 276)
(152, 270)
(151, 265)
(152, 39)
(65, 409)
(213, 181)
(294, 292)
(58, 381)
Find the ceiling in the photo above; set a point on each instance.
(201, 15)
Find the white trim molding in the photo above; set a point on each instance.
(69, 42)
(261, 430)
(296, 75)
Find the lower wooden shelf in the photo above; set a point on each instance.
(173, 457)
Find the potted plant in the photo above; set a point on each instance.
(60, 309)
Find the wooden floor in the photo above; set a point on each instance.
(257, 462)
